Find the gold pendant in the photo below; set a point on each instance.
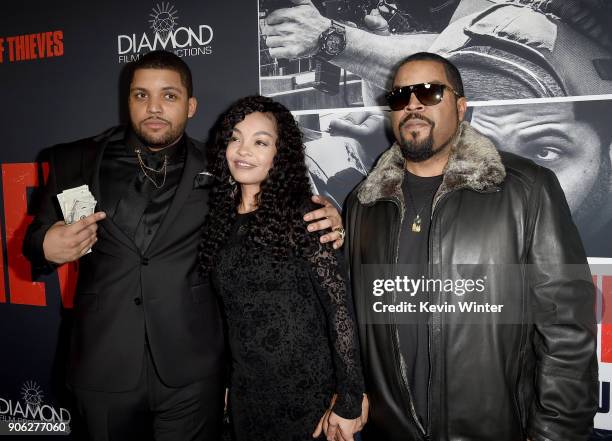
(416, 224)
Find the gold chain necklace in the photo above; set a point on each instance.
(416, 223)
(144, 168)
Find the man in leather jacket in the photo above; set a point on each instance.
(441, 196)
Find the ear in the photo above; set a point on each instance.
(193, 105)
(461, 107)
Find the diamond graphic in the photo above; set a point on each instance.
(32, 394)
(164, 19)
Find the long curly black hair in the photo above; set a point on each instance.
(278, 222)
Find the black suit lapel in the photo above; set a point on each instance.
(91, 168)
(194, 163)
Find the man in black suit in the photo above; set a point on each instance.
(146, 354)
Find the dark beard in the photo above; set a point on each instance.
(170, 138)
(414, 151)
(417, 151)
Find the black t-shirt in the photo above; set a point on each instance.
(413, 249)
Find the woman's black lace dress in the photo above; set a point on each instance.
(292, 339)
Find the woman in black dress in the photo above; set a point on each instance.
(290, 322)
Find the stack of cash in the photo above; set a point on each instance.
(76, 203)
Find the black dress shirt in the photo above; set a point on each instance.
(129, 196)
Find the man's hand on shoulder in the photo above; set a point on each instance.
(67, 243)
(326, 217)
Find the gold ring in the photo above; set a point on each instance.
(341, 232)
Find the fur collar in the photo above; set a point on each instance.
(474, 163)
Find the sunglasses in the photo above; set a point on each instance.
(428, 94)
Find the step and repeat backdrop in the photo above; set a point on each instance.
(537, 73)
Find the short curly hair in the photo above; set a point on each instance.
(163, 60)
(278, 222)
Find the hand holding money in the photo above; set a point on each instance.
(69, 240)
(66, 243)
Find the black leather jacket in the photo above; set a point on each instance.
(530, 379)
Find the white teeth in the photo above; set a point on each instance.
(243, 164)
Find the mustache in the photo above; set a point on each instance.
(155, 118)
(410, 116)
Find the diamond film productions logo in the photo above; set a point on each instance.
(32, 394)
(164, 20)
(184, 41)
(31, 407)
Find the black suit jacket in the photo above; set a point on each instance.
(121, 292)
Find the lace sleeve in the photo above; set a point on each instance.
(331, 284)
